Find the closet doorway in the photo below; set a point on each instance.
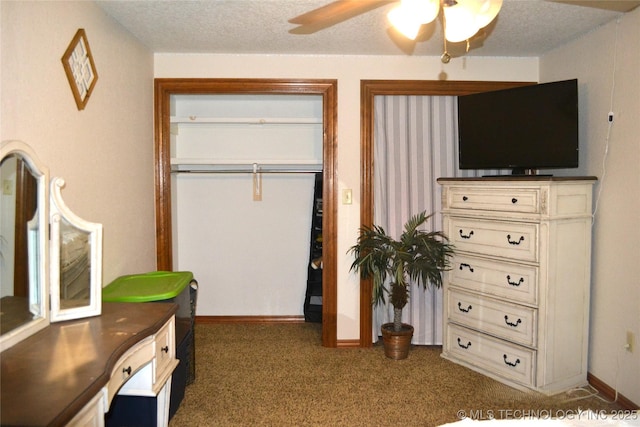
(166, 89)
(369, 89)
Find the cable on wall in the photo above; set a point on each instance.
(610, 119)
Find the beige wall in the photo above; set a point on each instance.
(348, 70)
(105, 152)
(607, 64)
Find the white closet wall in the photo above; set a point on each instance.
(249, 256)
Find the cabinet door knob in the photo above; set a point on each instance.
(462, 345)
(466, 236)
(504, 356)
(165, 349)
(514, 242)
(513, 325)
(464, 264)
(127, 370)
(464, 310)
(518, 283)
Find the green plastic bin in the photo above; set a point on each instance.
(147, 287)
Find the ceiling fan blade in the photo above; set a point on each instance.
(332, 14)
(613, 5)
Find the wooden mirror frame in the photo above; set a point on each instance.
(164, 88)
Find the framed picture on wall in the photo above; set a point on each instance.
(80, 69)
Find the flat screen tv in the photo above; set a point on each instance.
(523, 129)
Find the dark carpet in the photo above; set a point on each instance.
(280, 375)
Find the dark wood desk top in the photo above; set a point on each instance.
(47, 378)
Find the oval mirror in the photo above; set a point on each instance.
(24, 229)
(76, 261)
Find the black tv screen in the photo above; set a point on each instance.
(524, 128)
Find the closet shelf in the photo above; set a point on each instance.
(179, 165)
(247, 120)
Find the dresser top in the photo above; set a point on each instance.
(519, 178)
(49, 377)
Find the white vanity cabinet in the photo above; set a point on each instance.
(92, 415)
(71, 370)
(516, 301)
(145, 370)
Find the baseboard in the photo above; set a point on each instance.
(609, 393)
(249, 319)
(348, 344)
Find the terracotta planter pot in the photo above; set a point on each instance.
(396, 344)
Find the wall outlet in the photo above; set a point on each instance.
(630, 342)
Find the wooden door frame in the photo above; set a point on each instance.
(328, 89)
(26, 191)
(368, 90)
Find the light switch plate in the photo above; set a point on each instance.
(347, 196)
(7, 187)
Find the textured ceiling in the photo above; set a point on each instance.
(523, 28)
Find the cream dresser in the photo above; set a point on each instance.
(516, 301)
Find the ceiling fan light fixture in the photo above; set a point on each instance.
(464, 18)
(487, 12)
(404, 21)
(460, 21)
(424, 11)
(411, 14)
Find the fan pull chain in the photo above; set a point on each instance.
(445, 58)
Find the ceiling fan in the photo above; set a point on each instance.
(462, 19)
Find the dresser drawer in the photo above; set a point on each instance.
(149, 380)
(516, 282)
(515, 240)
(135, 358)
(92, 415)
(165, 345)
(510, 361)
(494, 199)
(509, 321)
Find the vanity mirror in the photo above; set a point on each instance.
(24, 254)
(76, 261)
(40, 255)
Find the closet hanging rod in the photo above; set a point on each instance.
(253, 168)
(204, 171)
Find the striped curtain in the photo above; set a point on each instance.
(415, 142)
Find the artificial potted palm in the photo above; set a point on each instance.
(417, 256)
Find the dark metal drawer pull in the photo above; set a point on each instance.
(518, 283)
(464, 346)
(509, 363)
(466, 265)
(514, 242)
(466, 236)
(514, 325)
(463, 309)
(514, 200)
(465, 198)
